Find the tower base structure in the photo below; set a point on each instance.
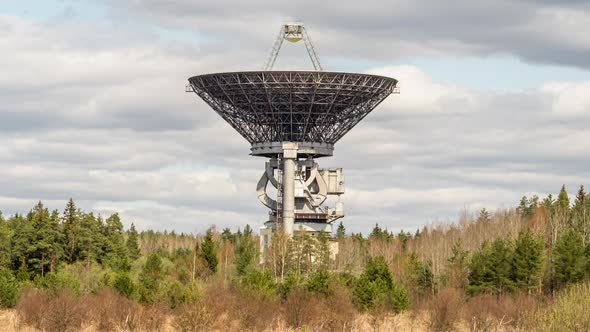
(302, 189)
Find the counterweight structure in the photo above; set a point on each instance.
(293, 118)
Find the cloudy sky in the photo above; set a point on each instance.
(494, 104)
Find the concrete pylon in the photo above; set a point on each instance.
(289, 158)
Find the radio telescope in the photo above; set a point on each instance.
(292, 118)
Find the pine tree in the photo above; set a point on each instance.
(481, 273)
(527, 206)
(133, 243)
(57, 250)
(377, 232)
(46, 234)
(458, 268)
(375, 288)
(71, 230)
(5, 234)
(91, 239)
(322, 252)
(341, 231)
(527, 264)
(548, 201)
(227, 235)
(403, 238)
(502, 253)
(115, 249)
(420, 276)
(491, 268)
(563, 200)
(21, 242)
(245, 251)
(484, 216)
(568, 259)
(209, 251)
(149, 279)
(581, 214)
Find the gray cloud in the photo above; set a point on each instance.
(98, 113)
(536, 31)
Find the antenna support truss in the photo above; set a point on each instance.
(293, 32)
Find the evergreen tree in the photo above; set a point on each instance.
(491, 268)
(57, 250)
(209, 251)
(22, 241)
(375, 288)
(568, 259)
(421, 276)
(548, 201)
(91, 239)
(5, 235)
(245, 251)
(46, 235)
(502, 253)
(301, 249)
(527, 206)
(133, 243)
(149, 279)
(322, 252)
(115, 249)
(563, 200)
(9, 289)
(581, 214)
(403, 239)
(71, 230)
(341, 231)
(580, 201)
(227, 235)
(380, 234)
(458, 268)
(528, 261)
(484, 216)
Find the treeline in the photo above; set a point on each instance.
(509, 263)
(41, 241)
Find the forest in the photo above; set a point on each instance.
(519, 269)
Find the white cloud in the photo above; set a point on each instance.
(98, 113)
(569, 99)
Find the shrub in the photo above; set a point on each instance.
(193, 317)
(9, 289)
(375, 288)
(490, 313)
(261, 281)
(339, 311)
(91, 277)
(291, 281)
(176, 294)
(55, 311)
(59, 281)
(150, 318)
(301, 309)
(254, 311)
(150, 278)
(110, 311)
(570, 311)
(31, 308)
(123, 284)
(444, 310)
(319, 282)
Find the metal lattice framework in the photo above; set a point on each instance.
(295, 106)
